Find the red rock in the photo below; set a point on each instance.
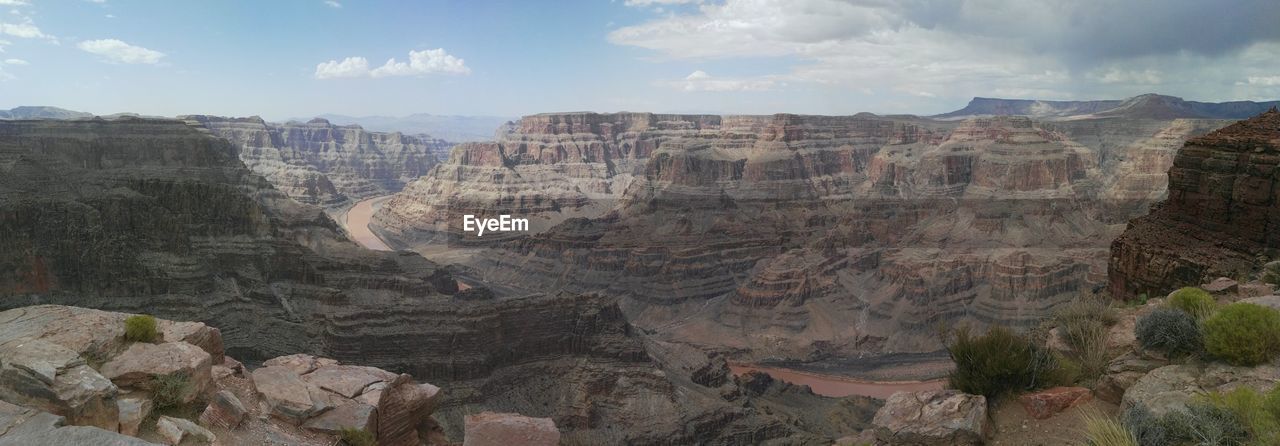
(225, 411)
(503, 429)
(1047, 403)
(1221, 285)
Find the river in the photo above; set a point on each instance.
(357, 223)
(839, 386)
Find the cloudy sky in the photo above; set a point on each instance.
(296, 58)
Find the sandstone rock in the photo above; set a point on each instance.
(224, 411)
(1173, 387)
(299, 363)
(21, 426)
(1222, 286)
(402, 406)
(219, 372)
(198, 334)
(354, 415)
(174, 430)
(1266, 301)
(142, 362)
(1047, 403)
(1256, 289)
(133, 410)
(1122, 372)
(345, 380)
(285, 394)
(53, 378)
(501, 429)
(944, 417)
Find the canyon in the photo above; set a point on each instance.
(807, 238)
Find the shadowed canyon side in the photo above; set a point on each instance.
(801, 237)
(324, 164)
(1219, 219)
(157, 216)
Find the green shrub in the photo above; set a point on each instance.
(140, 328)
(1083, 325)
(1101, 430)
(1250, 407)
(1169, 331)
(168, 391)
(1147, 429)
(1195, 301)
(1000, 362)
(356, 437)
(1201, 424)
(1243, 334)
(1271, 403)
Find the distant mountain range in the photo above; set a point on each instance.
(40, 112)
(451, 128)
(1147, 106)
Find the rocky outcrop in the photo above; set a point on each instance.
(944, 417)
(1147, 106)
(1173, 387)
(499, 429)
(320, 163)
(1222, 200)
(22, 426)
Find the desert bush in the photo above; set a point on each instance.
(140, 328)
(168, 391)
(1147, 429)
(351, 436)
(1000, 362)
(1201, 424)
(1251, 408)
(1169, 331)
(1243, 334)
(1195, 301)
(1083, 325)
(1101, 430)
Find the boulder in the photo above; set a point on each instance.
(1047, 403)
(347, 380)
(285, 394)
(224, 411)
(53, 378)
(174, 430)
(1256, 289)
(1266, 301)
(502, 429)
(198, 334)
(142, 362)
(936, 417)
(1222, 286)
(299, 363)
(1122, 372)
(402, 406)
(1173, 387)
(22, 426)
(133, 410)
(353, 415)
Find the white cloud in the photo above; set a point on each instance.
(13, 2)
(116, 51)
(26, 30)
(349, 67)
(111, 16)
(97, 1)
(642, 3)
(420, 63)
(1268, 81)
(701, 81)
(333, 3)
(15, 62)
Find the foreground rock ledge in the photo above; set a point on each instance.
(502, 429)
(939, 417)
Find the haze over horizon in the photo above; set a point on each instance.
(308, 57)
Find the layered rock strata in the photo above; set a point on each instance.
(320, 163)
(1223, 201)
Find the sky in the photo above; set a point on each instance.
(297, 58)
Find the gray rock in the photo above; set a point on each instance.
(354, 415)
(142, 362)
(940, 417)
(174, 430)
(133, 411)
(224, 410)
(54, 378)
(1172, 387)
(285, 394)
(21, 426)
(1122, 372)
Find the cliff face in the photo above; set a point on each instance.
(801, 236)
(321, 163)
(1219, 218)
(157, 216)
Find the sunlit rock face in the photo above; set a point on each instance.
(1218, 219)
(320, 163)
(801, 236)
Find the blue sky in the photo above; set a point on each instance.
(290, 58)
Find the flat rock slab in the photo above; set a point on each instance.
(347, 380)
(286, 395)
(21, 426)
(502, 429)
(1172, 387)
(929, 418)
(348, 416)
(174, 430)
(299, 363)
(1047, 403)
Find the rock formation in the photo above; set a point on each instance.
(320, 163)
(1147, 106)
(766, 235)
(158, 216)
(1223, 200)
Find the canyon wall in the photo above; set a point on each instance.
(792, 236)
(1218, 219)
(320, 163)
(157, 216)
